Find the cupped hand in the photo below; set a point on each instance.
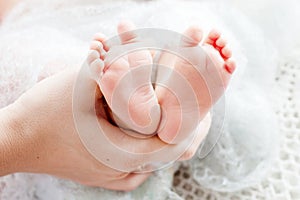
(47, 140)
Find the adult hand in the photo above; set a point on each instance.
(38, 134)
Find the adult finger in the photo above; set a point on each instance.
(129, 183)
(203, 131)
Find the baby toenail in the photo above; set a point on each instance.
(229, 69)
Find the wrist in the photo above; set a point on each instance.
(6, 138)
(17, 142)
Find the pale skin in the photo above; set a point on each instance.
(215, 68)
(35, 138)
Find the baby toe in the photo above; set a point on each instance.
(213, 36)
(125, 31)
(230, 66)
(102, 39)
(93, 55)
(221, 42)
(193, 36)
(98, 46)
(226, 53)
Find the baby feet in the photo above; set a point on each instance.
(126, 83)
(207, 69)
